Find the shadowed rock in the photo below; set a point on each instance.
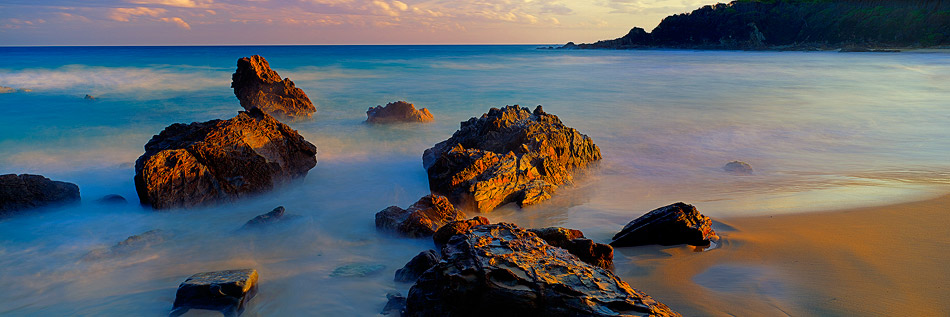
(422, 219)
(573, 241)
(224, 291)
(258, 86)
(205, 162)
(27, 191)
(678, 223)
(395, 305)
(271, 217)
(419, 263)
(738, 168)
(504, 270)
(112, 199)
(507, 155)
(128, 246)
(442, 236)
(399, 111)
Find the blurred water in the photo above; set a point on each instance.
(822, 131)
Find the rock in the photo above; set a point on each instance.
(507, 155)
(504, 270)
(26, 191)
(261, 221)
(112, 199)
(7, 90)
(678, 223)
(738, 168)
(205, 162)
(89, 97)
(258, 86)
(399, 111)
(597, 254)
(442, 236)
(422, 219)
(396, 304)
(420, 263)
(357, 270)
(25, 90)
(128, 246)
(224, 291)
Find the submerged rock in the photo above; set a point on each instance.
(597, 254)
(89, 97)
(504, 270)
(112, 199)
(422, 219)
(357, 270)
(678, 223)
(507, 155)
(442, 236)
(399, 111)
(271, 217)
(128, 246)
(395, 304)
(205, 162)
(258, 86)
(224, 291)
(738, 168)
(27, 191)
(419, 263)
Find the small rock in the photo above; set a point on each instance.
(357, 270)
(274, 216)
(27, 191)
(128, 246)
(399, 111)
(256, 85)
(396, 305)
(422, 219)
(420, 263)
(738, 168)
(7, 90)
(678, 223)
(112, 199)
(224, 291)
(89, 97)
(25, 90)
(573, 241)
(442, 236)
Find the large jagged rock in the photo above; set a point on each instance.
(27, 191)
(419, 264)
(503, 270)
(573, 241)
(224, 291)
(258, 86)
(507, 155)
(678, 223)
(204, 162)
(399, 111)
(422, 219)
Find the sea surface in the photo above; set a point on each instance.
(822, 130)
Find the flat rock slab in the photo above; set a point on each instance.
(224, 291)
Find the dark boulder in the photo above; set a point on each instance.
(442, 236)
(738, 168)
(419, 263)
(504, 270)
(422, 219)
(129, 246)
(678, 223)
(597, 254)
(399, 111)
(277, 215)
(27, 191)
(219, 160)
(395, 305)
(258, 86)
(112, 199)
(507, 155)
(224, 291)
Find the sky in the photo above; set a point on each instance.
(247, 22)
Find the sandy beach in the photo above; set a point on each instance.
(887, 260)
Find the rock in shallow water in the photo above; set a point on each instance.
(26, 191)
(419, 263)
(678, 223)
(128, 246)
(422, 219)
(258, 86)
(504, 270)
(205, 162)
(507, 155)
(399, 111)
(225, 291)
(271, 217)
(112, 199)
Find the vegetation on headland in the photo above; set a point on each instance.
(796, 24)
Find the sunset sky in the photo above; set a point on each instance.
(168, 22)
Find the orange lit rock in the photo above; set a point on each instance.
(258, 86)
(422, 219)
(678, 223)
(399, 111)
(573, 241)
(442, 236)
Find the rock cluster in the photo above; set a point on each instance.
(203, 162)
(678, 223)
(507, 155)
(224, 291)
(399, 111)
(26, 191)
(258, 86)
(572, 240)
(502, 269)
(422, 219)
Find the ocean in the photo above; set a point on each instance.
(822, 130)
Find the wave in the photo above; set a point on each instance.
(101, 79)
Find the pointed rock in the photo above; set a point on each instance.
(258, 86)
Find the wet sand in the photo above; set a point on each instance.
(889, 260)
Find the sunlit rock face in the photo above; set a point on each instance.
(507, 155)
(205, 162)
(225, 291)
(258, 86)
(27, 191)
(573, 240)
(503, 270)
(399, 111)
(422, 219)
(678, 223)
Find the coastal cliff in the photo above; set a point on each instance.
(851, 25)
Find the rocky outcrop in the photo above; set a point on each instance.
(678, 223)
(442, 236)
(224, 291)
(129, 246)
(27, 191)
(507, 155)
(399, 111)
(258, 86)
(738, 168)
(597, 254)
(504, 270)
(422, 219)
(205, 162)
(419, 263)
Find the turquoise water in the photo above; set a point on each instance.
(822, 130)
